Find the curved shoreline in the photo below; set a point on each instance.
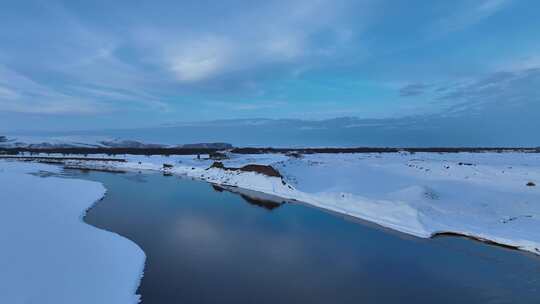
(401, 210)
(82, 218)
(71, 260)
(291, 194)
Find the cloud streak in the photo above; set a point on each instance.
(415, 89)
(503, 90)
(471, 13)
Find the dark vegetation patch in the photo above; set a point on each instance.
(111, 151)
(513, 218)
(217, 188)
(220, 165)
(261, 169)
(50, 161)
(483, 240)
(216, 145)
(293, 152)
(96, 169)
(384, 150)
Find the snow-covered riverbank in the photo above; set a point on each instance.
(49, 255)
(489, 196)
(482, 195)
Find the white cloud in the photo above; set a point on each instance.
(204, 58)
(275, 33)
(200, 59)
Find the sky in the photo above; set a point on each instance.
(74, 65)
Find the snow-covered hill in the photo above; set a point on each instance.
(44, 142)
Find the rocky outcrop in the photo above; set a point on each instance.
(261, 169)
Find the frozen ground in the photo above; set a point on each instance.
(482, 195)
(48, 254)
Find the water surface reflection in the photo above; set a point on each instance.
(206, 245)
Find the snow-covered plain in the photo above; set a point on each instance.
(48, 254)
(481, 195)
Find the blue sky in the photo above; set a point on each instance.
(109, 64)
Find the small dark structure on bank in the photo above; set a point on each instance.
(531, 184)
(217, 156)
(294, 154)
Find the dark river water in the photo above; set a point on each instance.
(205, 245)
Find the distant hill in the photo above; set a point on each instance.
(59, 142)
(468, 128)
(218, 146)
